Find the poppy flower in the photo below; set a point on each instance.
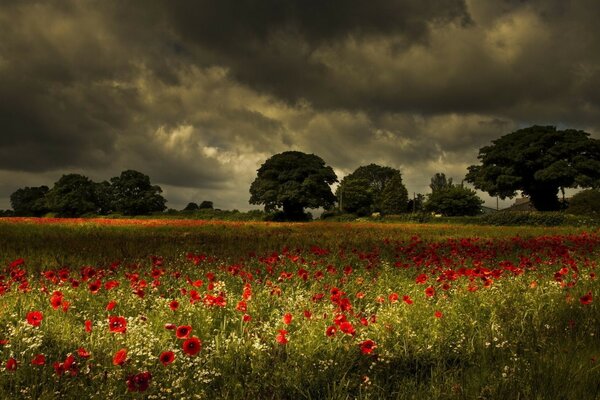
(34, 318)
(139, 382)
(407, 299)
(183, 331)
(56, 299)
(246, 318)
(83, 353)
(347, 328)
(120, 357)
(95, 286)
(117, 324)
(393, 297)
(367, 346)
(586, 299)
(11, 364)
(280, 338)
(331, 331)
(174, 305)
(111, 304)
(430, 291)
(242, 306)
(166, 357)
(88, 326)
(438, 314)
(287, 318)
(192, 346)
(170, 326)
(39, 359)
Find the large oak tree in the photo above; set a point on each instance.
(539, 161)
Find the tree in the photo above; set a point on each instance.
(30, 201)
(538, 161)
(362, 192)
(439, 182)
(453, 201)
(586, 202)
(293, 181)
(394, 197)
(73, 195)
(133, 194)
(191, 207)
(206, 205)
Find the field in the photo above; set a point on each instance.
(195, 309)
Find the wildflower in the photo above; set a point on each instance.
(88, 326)
(192, 346)
(34, 318)
(39, 359)
(331, 331)
(347, 328)
(280, 338)
(183, 331)
(438, 314)
(586, 299)
(407, 299)
(166, 357)
(83, 353)
(111, 304)
(139, 382)
(174, 305)
(430, 291)
(117, 324)
(367, 346)
(120, 357)
(287, 318)
(11, 364)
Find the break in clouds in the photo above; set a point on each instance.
(198, 94)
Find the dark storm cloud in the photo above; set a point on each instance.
(197, 94)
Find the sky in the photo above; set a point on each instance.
(198, 94)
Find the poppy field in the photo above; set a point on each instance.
(202, 310)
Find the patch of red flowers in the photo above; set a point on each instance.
(34, 318)
(139, 382)
(192, 346)
(183, 331)
(367, 346)
(120, 357)
(117, 324)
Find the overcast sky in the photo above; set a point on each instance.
(198, 94)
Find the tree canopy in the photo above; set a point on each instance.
(373, 188)
(293, 181)
(133, 194)
(73, 195)
(30, 201)
(454, 200)
(539, 161)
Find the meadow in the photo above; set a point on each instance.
(187, 309)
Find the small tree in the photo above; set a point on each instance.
(191, 207)
(439, 182)
(454, 201)
(394, 197)
(355, 196)
(30, 201)
(133, 194)
(206, 205)
(293, 181)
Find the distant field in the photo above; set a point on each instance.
(206, 309)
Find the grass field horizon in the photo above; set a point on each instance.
(213, 309)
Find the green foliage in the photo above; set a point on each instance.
(586, 202)
(364, 191)
(539, 161)
(293, 180)
(133, 194)
(526, 218)
(454, 201)
(73, 195)
(439, 182)
(206, 204)
(30, 201)
(191, 207)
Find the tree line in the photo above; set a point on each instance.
(74, 195)
(538, 161)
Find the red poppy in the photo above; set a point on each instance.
(120, 357)
(56, 299)
(393, 297)
(287, 318)
(139, 382)
(170, 326)
(367, 346)
(331, 331)
(407, 299)
(166, 357)
(174, 305)
(421, 279)
(438, 314)
(111, 304)
(347, 328)
(246, 318)
(586, 299)
(307, 314)
(11, 364)
(192, 346)
(83, 353)
(95, 286)
(35, 318)
(4, 342)
(117, 324)
(88, 326)
(39, 359)
(242, 306)
(183, 331)
(280, 338)
(430, 291)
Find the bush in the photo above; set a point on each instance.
(586, 202)
(504, 218)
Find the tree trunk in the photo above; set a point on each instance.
(545, 198)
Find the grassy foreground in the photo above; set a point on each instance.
(193, 309)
